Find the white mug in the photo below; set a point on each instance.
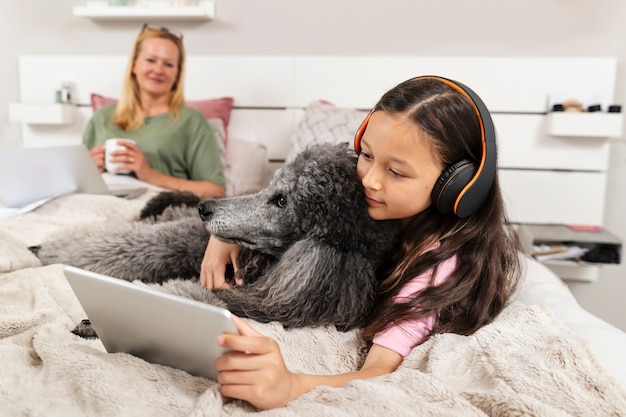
(111, 145)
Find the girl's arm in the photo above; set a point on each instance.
(260, 376)
(213, 269)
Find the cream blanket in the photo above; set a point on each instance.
(526, 363)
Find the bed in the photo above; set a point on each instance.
(544, 355)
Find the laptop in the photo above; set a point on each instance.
(156, 326)
(32, 175)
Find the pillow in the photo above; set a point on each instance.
(247, 168)
(215, 108)
(325, 122)
(98, 101)
(219, 108)
(217, 125)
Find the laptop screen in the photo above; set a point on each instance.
(33, 174)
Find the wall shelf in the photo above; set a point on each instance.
(205, 10)
(578, 236)
(42, 113)
(595, 124)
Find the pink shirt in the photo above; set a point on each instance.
(403, 337)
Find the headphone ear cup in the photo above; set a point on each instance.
(359, 133)
(450, 184)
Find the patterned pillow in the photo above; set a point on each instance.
(325, 122)
(247, 169)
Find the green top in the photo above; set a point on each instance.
(183, 148)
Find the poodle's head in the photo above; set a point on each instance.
(316, 196)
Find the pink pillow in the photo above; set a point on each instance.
(98, 101)
(215, 108)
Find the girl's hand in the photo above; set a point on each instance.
(97, 154)
(213, 269)
(255, 370)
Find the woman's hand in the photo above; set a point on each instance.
(132, 159)
(97, 154)
(213, 269)
(255, 370)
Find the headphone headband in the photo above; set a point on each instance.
(460, 190)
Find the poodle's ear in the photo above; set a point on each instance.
(316, 284)
(252, 264)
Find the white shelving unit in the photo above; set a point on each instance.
(595, 124)
(587, 127)
(42, 113)
(205, 10)
(559, 234)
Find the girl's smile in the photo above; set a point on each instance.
(372, 202)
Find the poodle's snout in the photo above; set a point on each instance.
(205, 210)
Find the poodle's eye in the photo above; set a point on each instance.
(280, 201)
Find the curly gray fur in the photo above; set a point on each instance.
(309, 248)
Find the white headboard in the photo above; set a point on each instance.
(547, 177)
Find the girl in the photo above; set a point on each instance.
(450, 272)
(175, 146)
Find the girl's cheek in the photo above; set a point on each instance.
(360, 168)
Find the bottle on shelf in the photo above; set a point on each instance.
(64, 94)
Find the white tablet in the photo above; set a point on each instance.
(151, 324)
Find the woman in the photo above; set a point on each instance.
(174, 147)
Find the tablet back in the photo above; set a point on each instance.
(151, 324)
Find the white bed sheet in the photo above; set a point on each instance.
(37, 346)
(543, 288)
(48, 371)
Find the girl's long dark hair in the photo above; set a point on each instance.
(485, 243)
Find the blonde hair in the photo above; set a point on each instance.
(128, 114)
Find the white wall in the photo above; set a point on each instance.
(390, 27)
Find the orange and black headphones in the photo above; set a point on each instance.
(463, 186)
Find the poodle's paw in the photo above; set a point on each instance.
(85, 330)
(174, 213)
(49, 252)
(157, 205)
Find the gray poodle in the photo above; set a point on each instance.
(309, 248)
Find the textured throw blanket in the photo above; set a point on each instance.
(526, 363)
